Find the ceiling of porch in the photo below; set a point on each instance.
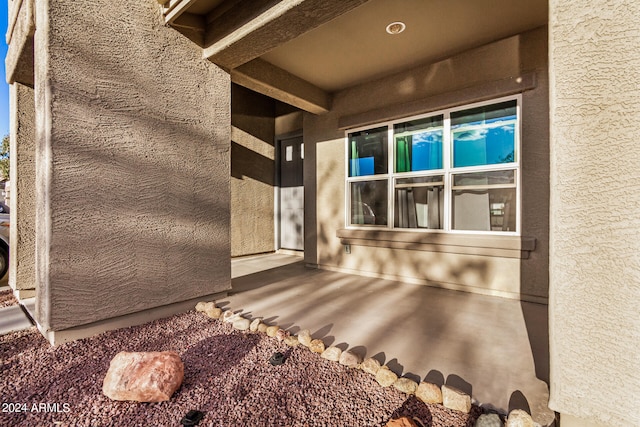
(322, 46)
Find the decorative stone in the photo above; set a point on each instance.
(254, 325)
(214, 313)
(405, 385)
(350, 359)
(273, 330)
(519, 418)
(241, 324)
(143, 376)
(200, 306)
(204, 306)
(386, 377)
(317, 346)
(370, 366)
(229, 316)
(281, 334)
(332, 353)
(304, 337)
(429, 393)
(291, 341)
(453, 398)
(401, 422)
(262, 328)
(488, 420)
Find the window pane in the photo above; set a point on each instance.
(368, 152)
(503, 178)
(419, 202)
(369, 203)
(484, 135)
(418, 144)
(490, 209)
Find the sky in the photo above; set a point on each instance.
(4, 87)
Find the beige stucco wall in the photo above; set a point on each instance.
(132, 156)
(252, 172)
(20, 33)
(595, 210)
(22, 273)
(439, 85)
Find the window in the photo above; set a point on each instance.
(452, 170)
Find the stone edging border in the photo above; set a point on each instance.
(447, 396)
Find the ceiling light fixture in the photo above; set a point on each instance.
(396, 27)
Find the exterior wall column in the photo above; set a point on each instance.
(252, 172)
(132, 156)
(22, 195)
(595, 211)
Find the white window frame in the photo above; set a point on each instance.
(448, 171)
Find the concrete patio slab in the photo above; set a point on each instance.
(493, 348)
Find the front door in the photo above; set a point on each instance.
(291, 194)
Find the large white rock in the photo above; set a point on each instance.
(332, 353)
(214, 313)
(291, 341)
(453, 398)
(317, 346)
(203, 306)
(386, 377)
(253, 327)
(230, 317)
(241, 324)
(350, 359)
(272, 331)
(304, 336)
(370, 366)
(519, 418)
(429, 393)
(143, 376)
(488, 420)
(405, 385)
(282, 334)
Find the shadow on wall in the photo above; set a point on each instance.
(247, 163)
(132, 170)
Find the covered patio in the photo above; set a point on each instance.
(493, 348)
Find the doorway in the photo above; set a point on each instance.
(291, 198)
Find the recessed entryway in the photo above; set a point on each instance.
(290, 215)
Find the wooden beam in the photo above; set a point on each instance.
(250, 29)
(267, 79)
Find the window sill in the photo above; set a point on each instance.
(468, 244)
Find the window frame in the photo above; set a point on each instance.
(448, 171)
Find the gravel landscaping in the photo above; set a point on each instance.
(227, 375)
(7, 299)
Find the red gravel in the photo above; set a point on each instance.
(7, 299)
(227, 375)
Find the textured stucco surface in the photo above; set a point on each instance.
(133, 131)
(252, 172)
(20, 33)
(491, 275)
(23, 176)
(595, 209)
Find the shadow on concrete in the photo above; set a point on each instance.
(476, 343)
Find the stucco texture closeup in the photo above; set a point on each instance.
(133, 131)
(22, 273)
(252, 172)
(20, 34)
(595, 210)
(465, 78)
